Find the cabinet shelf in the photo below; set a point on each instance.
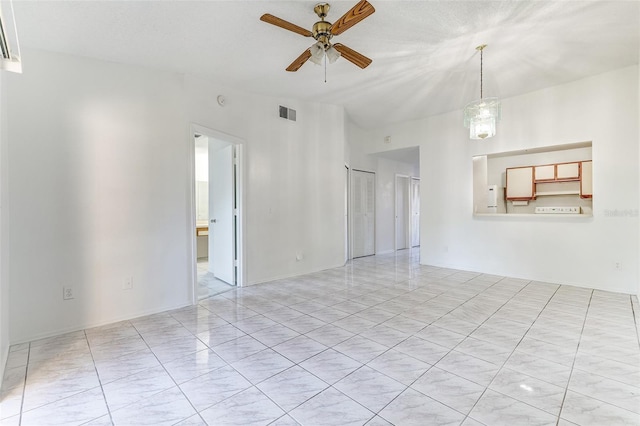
(545, 193)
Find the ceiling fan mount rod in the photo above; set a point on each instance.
(322, 9)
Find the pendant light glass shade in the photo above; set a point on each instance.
(317, 53)
(332, 54)
(482, 116)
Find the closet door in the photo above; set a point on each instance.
(363, 186)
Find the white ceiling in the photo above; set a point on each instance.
(424, 58)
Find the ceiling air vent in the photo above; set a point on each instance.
(9, 49)
(287, 113)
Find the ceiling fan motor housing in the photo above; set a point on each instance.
(322, 32)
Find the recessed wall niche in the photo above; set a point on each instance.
(548, 181)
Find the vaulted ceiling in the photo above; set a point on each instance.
(424, 57)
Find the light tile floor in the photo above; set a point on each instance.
(208, 284)
(381, 341)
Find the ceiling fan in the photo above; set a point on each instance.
(323, 31)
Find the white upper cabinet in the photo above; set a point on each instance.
(567, 171)
(547, 172)
(520, 183)
(586, 180)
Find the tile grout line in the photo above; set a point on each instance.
(566, 390)
(24, 385)
(635, 319)
(95, 367)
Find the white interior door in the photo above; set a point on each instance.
(415, 212)
(363, 213)
(221, 213)
(402, 212)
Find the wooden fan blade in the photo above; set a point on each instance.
(295, 65)
(274, 20)
(352, 56)
(352, 17)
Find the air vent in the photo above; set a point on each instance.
(287, 113)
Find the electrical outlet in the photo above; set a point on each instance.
(128, 284)
(67, 293)
(617, 265)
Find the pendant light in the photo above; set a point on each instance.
(481, 116)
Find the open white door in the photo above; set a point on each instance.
(221, 213)
(402, 212)
(415, 212)
(363, 213)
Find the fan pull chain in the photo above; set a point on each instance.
(325, 68)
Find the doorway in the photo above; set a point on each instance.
(407, 212)
(217, 212)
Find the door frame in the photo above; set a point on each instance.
(347, 208)
(191, 208)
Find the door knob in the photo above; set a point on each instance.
(213, 220)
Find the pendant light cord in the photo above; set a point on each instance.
(481, 50)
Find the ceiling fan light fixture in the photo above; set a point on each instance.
(481, 116)
(323, 31)
(332, 54)
(317, 53)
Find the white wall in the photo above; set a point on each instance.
(294, 177)
(96, 193)
(602, 109)
(100, 180)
